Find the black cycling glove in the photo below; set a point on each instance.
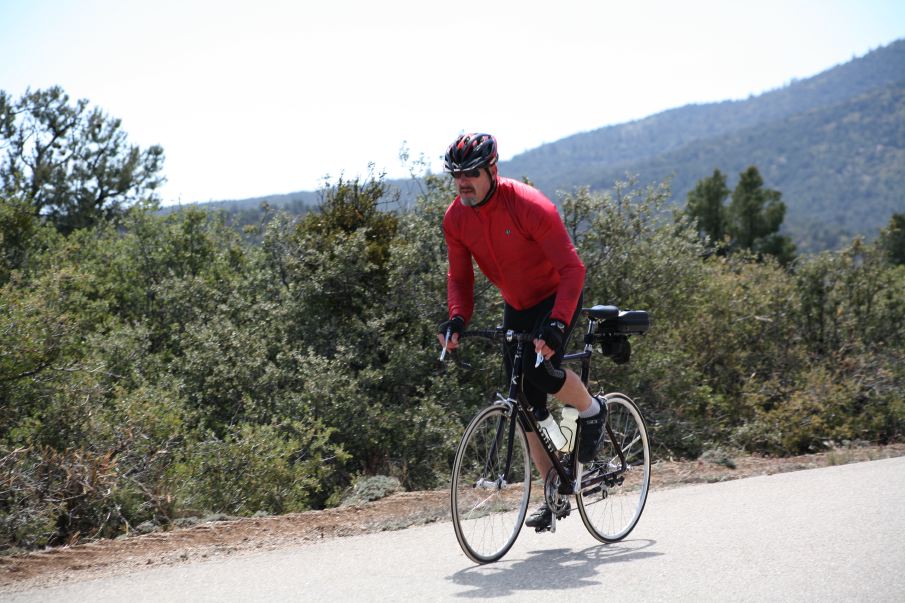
(553, 333)
(456, 324)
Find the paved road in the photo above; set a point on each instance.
(833, 534)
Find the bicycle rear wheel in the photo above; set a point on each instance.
(488, 499)
(611, 508)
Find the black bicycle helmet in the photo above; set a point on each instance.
(471, 151)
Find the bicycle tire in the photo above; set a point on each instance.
(488, 514)
(611, 511)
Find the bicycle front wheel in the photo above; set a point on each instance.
(612, 496)
(491, 483)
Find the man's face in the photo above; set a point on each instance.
(473, 190)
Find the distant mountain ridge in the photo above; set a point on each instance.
(833, 144)
(674, 128)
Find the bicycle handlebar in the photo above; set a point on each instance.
(515, 337)
(500, 333)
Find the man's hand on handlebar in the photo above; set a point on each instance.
(541, 347)
(549, 338)
(453, 327)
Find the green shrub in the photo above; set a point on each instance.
(276, 468)
(856, 399)
(53, 498)
(370, 488)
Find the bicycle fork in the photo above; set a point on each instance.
(490, 462)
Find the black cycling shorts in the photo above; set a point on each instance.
(537, 383)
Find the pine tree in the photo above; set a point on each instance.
(706, 207)
(71, 163)
(755, 215)
(752, 220)
(892, 239)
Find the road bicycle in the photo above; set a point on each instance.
(491, 478)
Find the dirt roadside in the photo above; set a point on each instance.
(224, 538)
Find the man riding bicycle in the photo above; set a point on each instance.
(520, 243)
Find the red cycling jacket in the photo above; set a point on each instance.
(520, 243)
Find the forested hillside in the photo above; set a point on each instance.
(834, 144)
(850, 152)
(673, 129)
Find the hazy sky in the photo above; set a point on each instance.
(266, 97)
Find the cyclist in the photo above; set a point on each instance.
(519, 241)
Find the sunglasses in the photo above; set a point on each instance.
(467, 173)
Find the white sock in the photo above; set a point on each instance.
(590, 411)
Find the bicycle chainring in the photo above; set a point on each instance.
(555, 501)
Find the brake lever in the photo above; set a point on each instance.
(446, 343)
(548, 366)
(452, 353)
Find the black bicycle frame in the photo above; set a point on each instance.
(565, 475)
(519, 408)
(585, 357)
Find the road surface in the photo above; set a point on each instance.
(831, 534)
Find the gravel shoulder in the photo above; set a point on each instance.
(216, 539)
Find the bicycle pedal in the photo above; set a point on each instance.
(550, 527)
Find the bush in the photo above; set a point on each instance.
(276, 468)
(53, 498)
(371, 488)
(829, 403)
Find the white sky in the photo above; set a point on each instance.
(268, 97)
